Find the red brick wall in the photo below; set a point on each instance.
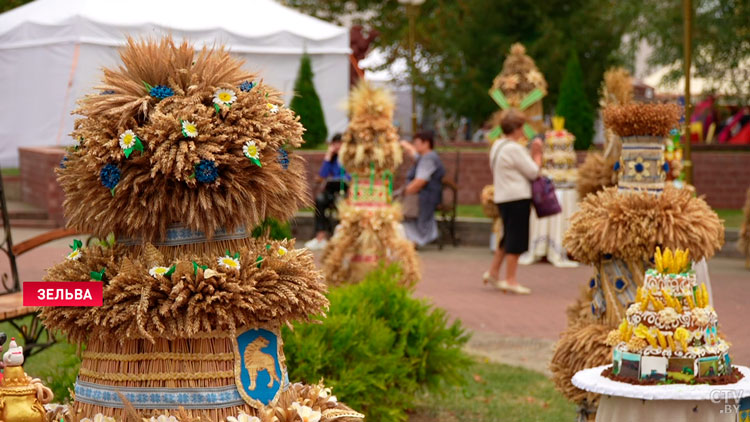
(38, 181)
(723, 177)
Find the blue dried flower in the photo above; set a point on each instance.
(639, 167)
(107, 92)
(674, 132)
(617, 166)
(665, 167)
(206, 171)
(110, 176)
(161, 92)
(283, 158)
(246, 86)
(62, 162)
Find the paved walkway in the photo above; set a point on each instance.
(512, 329)
(521, 329)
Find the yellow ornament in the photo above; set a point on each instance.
(683, 336)
(670, 340)
(662, 340)
(658, 261)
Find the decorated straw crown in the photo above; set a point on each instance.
(370, 143)
(181, 136)
(642, 128)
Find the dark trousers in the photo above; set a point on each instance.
(323, 202)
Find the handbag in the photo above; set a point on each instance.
(544, 198)
(410, 206)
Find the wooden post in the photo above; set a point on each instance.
(687, 10)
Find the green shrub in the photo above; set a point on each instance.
(306, 104)
(378, 347)
(276, 229)
(574, 106)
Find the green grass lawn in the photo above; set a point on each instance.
(732, 218)
(497, 393)
(10, 171)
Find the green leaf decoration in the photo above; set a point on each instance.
(98, 276)
(268, 247)
(216, 107)
(138, 144)
(531, 98)
(77, 244)
(112, 191)
(195, 268)
(495, 133)
(148, 87)
(128, 152)
(256, 162)
(258, 261)
(500, 99)
(171, 271)
(111, 239)
(192, 176)
(236, 255)
(528, 131)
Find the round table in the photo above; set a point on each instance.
(621, 402)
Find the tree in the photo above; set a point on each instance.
(573, 105)
(6, 5)
(462, 44)
(721, 40)
(306, 104)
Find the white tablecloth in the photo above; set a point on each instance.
(546, 234)
(622, 402)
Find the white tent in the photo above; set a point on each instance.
(52, 51)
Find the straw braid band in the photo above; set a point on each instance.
(133, 357)
(164, 376)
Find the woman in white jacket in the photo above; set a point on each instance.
(513, 170)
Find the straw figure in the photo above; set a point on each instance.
(744, 241)
(597, 170)
(617, 229)
(180, 155)
(370, 223)
(520, 86)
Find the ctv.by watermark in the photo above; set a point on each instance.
(730, 399)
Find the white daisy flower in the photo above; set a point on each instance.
(272, 108)
(250, 149)
(243, 417)
(157, 271)
(306, 413)
(73, 256)
(281, 251)
(224, 96)
(229, 262)
(127, 139)
(189, 129)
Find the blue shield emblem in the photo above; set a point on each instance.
(259, 371)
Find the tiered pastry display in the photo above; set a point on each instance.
(616, 231)
(520, 86)
(559, 155)
(180, 156)
(670, 333)
(370, 228)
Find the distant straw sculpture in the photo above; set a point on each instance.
(617, 229)
(370, 229)
(180, 155)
